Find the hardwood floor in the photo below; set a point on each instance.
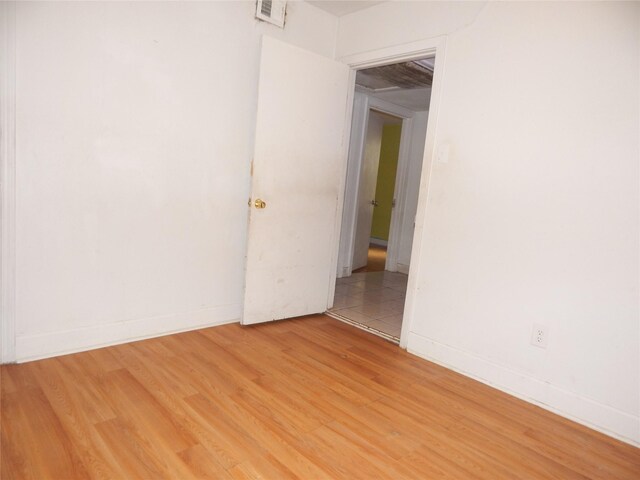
(305, 398)
(376, 259)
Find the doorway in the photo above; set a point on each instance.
(375, 198)
(299, 209)
(388, 132)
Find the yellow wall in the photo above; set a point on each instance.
(386, 181)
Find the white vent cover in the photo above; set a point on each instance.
(271, 11)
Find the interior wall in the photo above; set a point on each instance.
(386, 181)
(135, 126)
(534, 218)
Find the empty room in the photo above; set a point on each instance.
(188, 288)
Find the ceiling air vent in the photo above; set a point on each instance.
(271, 11)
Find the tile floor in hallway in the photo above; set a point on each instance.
(374, 300)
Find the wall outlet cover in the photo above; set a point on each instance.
(539, 336)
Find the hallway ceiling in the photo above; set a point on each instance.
(416, 99)
(398, 75)
(406, 84)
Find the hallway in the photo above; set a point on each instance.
(372, 301)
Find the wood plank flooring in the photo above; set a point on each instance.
(305, 398)
(376, 259)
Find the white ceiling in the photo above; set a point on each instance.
(340, 8)
(415, 99)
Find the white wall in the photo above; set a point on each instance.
(534, 219)
(135, 127)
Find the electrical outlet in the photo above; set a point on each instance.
(539, 336)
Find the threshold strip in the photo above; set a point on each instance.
(362, 326)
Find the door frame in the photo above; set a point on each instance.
(385, 56)
(363, 105)
(8, 182)
(399, 189)
(351, 180)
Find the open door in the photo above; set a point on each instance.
(367, 189)
(296, 176)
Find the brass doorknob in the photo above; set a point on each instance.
(259, 203)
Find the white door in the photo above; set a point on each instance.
(367, 189)
(297, 167)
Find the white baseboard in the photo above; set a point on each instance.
(378, 241)
(590, 413)
(402, 268)
(34, 347)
